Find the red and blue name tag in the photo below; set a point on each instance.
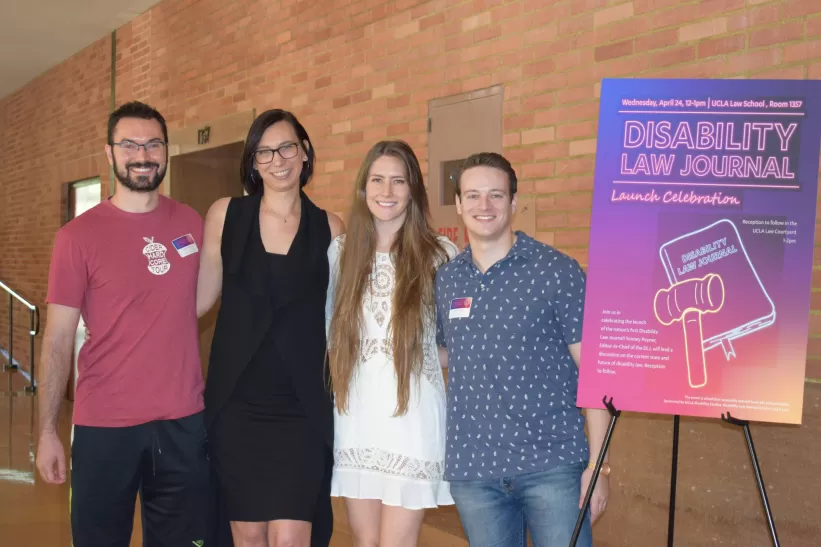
(185, 245)
(460, 308)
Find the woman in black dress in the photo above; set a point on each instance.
(268, 411)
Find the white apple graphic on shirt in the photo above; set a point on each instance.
(155, 253)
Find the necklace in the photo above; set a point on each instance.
(294, 212)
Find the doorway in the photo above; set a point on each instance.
(458, 126)
(79, 197)
(198, 179)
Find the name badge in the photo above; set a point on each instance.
(185, 245)
(460, 308)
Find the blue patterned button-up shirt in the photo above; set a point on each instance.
(511, 379)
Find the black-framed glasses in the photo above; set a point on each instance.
(286, 152)
(152, 148)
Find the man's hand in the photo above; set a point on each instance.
(58, 343)
(51, 458)
(598, 501)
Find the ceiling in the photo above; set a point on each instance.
(36, 35)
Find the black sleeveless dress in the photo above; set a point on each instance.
(268, 410)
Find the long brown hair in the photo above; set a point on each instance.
(415, 253)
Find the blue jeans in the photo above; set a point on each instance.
(499, 512)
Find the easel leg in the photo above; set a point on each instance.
(759, 479)
(673, 477)
(614, 414)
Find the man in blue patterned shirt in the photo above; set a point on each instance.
(509, 313)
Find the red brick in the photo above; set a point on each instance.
(702, 69)
(629, 28)
(538, 170)
(487, 33)
(578, 220)
(519, 155)
(673, 17)
(547, 82)
(759, 59)
(612, 51)
(673, 56)
(802, 51)
(763, 15)
(506, 12)
(711, 8)
(551, 220)
(575, 166)
(551, 151)
(798, 8)
(515, 26)
(644, 6)
(787, 73)
(775, 35)
(586, 129)
(352, 138)
(576, 24)
(432, 21)
(340, 102)
(813, 26)
(660, 39)
(544, 33)
(569, 202)
(572, 238)
(511, 139)
(538, 68)
(721, 45)
(524, 121)
(584, 75)
(580, 6)
(572, 59)
(576, 94)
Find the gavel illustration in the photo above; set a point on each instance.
(687, 301)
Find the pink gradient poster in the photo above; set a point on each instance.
(701, 247)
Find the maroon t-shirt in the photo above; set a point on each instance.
(134, 278)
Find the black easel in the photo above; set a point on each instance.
(758, 478)
(614, 414)
(671, 520)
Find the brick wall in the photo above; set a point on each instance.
(356, 71)
(359, 71)
(53, 132)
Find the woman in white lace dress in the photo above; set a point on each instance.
(386, 376)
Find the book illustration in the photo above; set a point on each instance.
(723, 299)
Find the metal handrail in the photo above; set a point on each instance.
(34, 330)
(11, 292)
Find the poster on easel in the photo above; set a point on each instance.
(701, 247)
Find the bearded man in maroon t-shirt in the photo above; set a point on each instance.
(129, 266)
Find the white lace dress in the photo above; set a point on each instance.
(398, 460)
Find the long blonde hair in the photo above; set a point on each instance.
(416, 253)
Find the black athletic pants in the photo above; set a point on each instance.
(165, 461)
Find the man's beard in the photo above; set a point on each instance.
(137, 182)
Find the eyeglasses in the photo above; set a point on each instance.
(286, 152)
(152, 148)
